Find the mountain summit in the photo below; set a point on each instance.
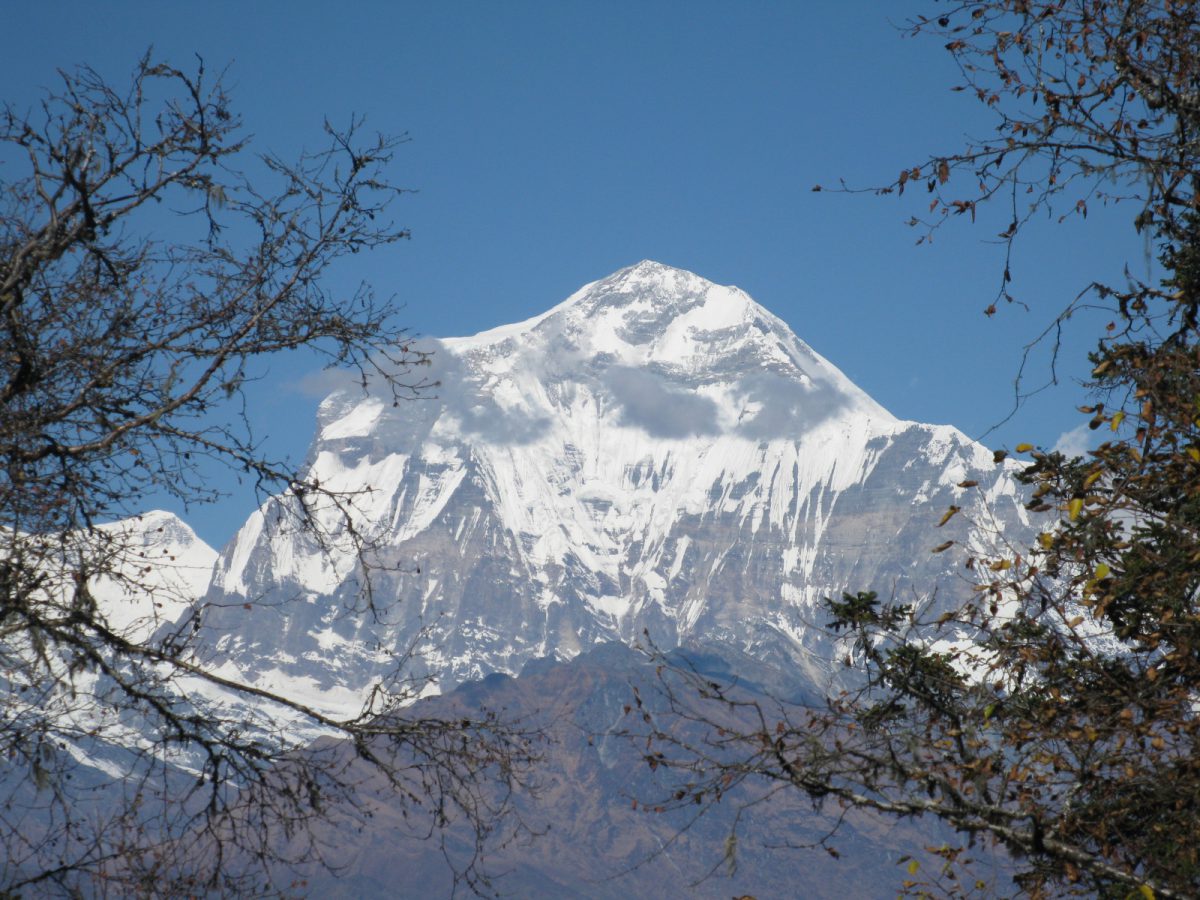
(656, 453)
(683, 335)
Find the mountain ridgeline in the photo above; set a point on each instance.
(657, 455)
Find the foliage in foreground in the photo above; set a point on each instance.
(147, 261)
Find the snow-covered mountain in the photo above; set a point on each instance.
(163, 566)
(655, 454)
(155, 568)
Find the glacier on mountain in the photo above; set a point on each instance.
(656, 455)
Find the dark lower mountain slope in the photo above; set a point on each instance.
(591, 829)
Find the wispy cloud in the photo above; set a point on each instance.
(1076, 442)
(323, 382)
(787, 407)
(649, 403)
(475, 406)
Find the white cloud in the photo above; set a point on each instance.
(650, 402)
(1075, 442)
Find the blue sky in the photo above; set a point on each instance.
(552, 143)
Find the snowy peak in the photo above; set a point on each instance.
(661, 294)
(645, 313)
(633, 288)
(651, 314)
(163, 566)
(651, 333)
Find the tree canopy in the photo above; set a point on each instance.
(147, 260)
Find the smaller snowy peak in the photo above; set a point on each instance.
(159, 528)
(162, 568)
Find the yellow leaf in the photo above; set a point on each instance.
(1046, 540)
(913, 865)
(1024, 448)
(1092, 479)
(1074, 508)
(1146, 891)
(1116, 420)
(1102, 571)
(1000, 565)
(1194, 453)
(949, 515)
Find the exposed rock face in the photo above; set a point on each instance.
(657, 453)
